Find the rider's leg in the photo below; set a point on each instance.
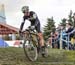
(41, 39)
(40, 35)
(42, 45)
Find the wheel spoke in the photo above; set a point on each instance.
(30, 49)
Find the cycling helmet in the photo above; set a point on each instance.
(25, 8)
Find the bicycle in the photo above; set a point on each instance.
(31, 44)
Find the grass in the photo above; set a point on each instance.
(15, 56)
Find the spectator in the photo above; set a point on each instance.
(54, 39)
(61, 32)
(69, 29)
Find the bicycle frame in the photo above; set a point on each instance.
(30, 38)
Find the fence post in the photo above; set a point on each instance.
(68, 42)
(61, 39)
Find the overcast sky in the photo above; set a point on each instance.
(44, 9)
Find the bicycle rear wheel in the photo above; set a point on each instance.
(30, 48)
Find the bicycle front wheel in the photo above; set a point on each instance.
(30, 49)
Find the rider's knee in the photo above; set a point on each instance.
(40, 35)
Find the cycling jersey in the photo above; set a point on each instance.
(33, 19)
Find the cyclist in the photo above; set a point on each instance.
(35, 23)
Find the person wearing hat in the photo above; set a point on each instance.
(69, 29)
(35, 23)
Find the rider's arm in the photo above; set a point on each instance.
(22, 24)
(36, 18)
(33, 17)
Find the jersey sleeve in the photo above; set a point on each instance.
(24, 18)
(34, 15)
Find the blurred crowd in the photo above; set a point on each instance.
(66, 35)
